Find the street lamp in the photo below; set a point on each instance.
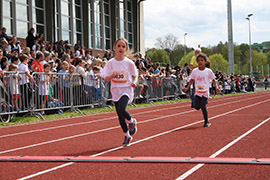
(139, 41)
(248, 18)
(185, 46)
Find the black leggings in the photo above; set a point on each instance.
(122, 113)
(200, 103)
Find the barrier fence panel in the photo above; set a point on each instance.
(56, 92)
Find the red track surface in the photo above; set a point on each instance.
(173, 130)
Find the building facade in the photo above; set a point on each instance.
(96, 23)
(263, 47)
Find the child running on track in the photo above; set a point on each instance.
(202, 77)
(123, 75)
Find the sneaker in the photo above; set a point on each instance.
(207, 124)
(132, 127)
(127, 140)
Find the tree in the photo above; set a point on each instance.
(258, 59)
(158, 55)
(168, 42)
(188, 58)
(218, 63)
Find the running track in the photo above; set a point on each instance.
(240, 129)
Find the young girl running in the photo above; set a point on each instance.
(123, 75)
(202, 76)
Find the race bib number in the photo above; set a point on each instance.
(201, 88)
(120, 77)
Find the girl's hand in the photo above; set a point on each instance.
(218, 90)
(133, 84)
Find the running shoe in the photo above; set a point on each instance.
(127, 140)
(132, 127)
(207, 124)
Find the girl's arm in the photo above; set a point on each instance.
(135, 82)
(109, 78)
(216, 85)
(189, 84)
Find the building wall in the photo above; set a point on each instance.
(127, 22)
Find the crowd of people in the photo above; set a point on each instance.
(41, 56)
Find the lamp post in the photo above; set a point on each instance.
(248, 18)
(139, 36)
(185, 46)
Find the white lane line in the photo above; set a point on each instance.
(195, 168)
(100, 120)
(142, 140)
(111, 128)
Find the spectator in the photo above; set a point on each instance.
(14, 53)
(60, 48)
(26, 92)
(47, 57)
(13, 45)
(265, 83)
(4, 46)
(37, 66)
(4, 63)
(143, 87)
(44, 86)
(77, 46)
(4, 34)
(1, 55)
(13, 84)
(15, 60)
(30, 38)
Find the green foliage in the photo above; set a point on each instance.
(258, 59)
(175, 55)
(218, 63)
(188, 58)
(159, 55)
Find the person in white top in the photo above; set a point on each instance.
(123, 75)
(26, 92)
(202, 77)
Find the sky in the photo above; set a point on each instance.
(205, 21)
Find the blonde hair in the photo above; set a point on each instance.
(129, 53)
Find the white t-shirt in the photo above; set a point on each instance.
(89, 79)
(202, 81)
(43, 85)
(22, 69)
(121, 84)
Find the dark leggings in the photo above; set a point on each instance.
(200, 103)
(122, 113)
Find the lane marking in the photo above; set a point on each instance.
(111, 128)
(188, 173)
(219, 99)
(142, 140)
(104, 119)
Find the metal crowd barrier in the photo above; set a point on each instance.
(57, 92)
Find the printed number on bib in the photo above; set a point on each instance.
(120, 77)
(201, 88)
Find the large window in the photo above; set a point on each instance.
(91, 19)
(19, 17)
(38, 15)
(68, 20)
(98, 23)
(77, 20)
(8, 16)
(107, 24)
(125, 21)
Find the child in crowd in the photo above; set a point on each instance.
(123, 75)
(13, 82)
(202, 77)
(44, 86)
